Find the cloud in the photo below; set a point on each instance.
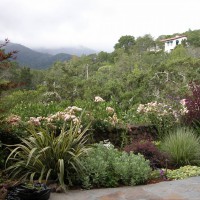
(94, 23)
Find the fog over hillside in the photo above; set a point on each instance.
(43, 58)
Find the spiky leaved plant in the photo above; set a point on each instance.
(44, 155)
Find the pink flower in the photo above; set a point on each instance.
(14, 120)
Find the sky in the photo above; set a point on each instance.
(96, 24)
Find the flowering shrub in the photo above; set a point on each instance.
(163, 116)
(162, 110)
(15, 126)
(69, 114)
(13, 120)
(105, 123)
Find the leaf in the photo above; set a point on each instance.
(30, 155)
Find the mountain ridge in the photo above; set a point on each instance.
(41, 60)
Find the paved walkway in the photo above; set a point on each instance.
(187, 189)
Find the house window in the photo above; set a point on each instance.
(177, 42)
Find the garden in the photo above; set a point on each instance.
(114, 128)
(94, 146)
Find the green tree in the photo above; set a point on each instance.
(26, 77)
(193, 38)
(145, 43)
(5, 64)
(178, 53)
(125, 42)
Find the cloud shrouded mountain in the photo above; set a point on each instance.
(33, 59)
(44, 58)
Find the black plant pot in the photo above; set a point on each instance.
(21, 192)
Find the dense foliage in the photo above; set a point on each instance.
(138, 84)
(105, 166)
(149, 150)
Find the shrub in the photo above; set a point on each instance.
(15, 127)
(25, 111)
(49, 97)
(164, 117)
(182, 147)
(105, 118)
(20, 97)
(192, 103)
(105, 166)
(132, 169)
(45, 156)
(149, 150)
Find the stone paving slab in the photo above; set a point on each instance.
(187, 189)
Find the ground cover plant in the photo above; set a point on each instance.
(183, 172)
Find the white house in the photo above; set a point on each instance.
(171, 43)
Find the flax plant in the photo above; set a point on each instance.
(45, 156)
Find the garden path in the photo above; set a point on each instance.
(187, 189)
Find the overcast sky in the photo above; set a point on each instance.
(96, 24)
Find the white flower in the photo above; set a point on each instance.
(76, 121)
(98, 99)
(76, 108)
(184, 110)
(110, 110)
(183, 102)
(140, 108)
(67, 117)
(107, 144)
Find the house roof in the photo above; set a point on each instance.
(173, 38)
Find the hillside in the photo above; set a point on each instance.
(33, 59)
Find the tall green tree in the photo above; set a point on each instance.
(145, 43)
(193, 38)
(26, 77)
(5, 64)
(125, 42)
